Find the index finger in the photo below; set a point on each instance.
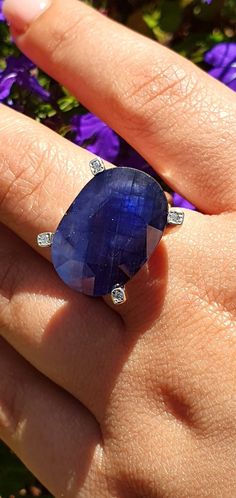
(181, 120)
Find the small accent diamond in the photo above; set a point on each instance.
(175, 217)
(45, 239)
(118, 295)
(97, 166)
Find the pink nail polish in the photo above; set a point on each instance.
(21, 13)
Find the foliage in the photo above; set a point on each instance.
(15, 479)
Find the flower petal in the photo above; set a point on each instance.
(5, 85)
(221, 55)
(179, 201)
(32, 84)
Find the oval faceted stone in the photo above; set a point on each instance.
(109, 231)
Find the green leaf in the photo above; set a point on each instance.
(195, 46)
(67, 103)
(45, 111)
(171, 16)
(229, 10)
(152, 18)
(13, 475)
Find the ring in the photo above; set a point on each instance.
(110, 231)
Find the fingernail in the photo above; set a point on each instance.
(21, 13)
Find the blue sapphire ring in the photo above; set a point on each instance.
(109, 231)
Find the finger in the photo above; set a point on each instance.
(36, 166)
(75, 341)
(54, 435)
(40, 175)
(182, 121)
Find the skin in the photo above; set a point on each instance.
(136, 401)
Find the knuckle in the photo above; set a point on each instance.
(24, 175)
(156, 87)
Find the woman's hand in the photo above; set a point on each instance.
(137, 401)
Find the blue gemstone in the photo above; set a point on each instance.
(110, 231)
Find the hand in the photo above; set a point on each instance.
(136, 401)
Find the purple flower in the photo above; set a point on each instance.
(130, 158)
(20, 70)
(98, 138)
(222, 58)
(208, 2)
(179, 201)
(2, 18)
(95, 136)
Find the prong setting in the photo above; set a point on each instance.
(97, 166)
(118, 295)
(175, 217)
(45, 239)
